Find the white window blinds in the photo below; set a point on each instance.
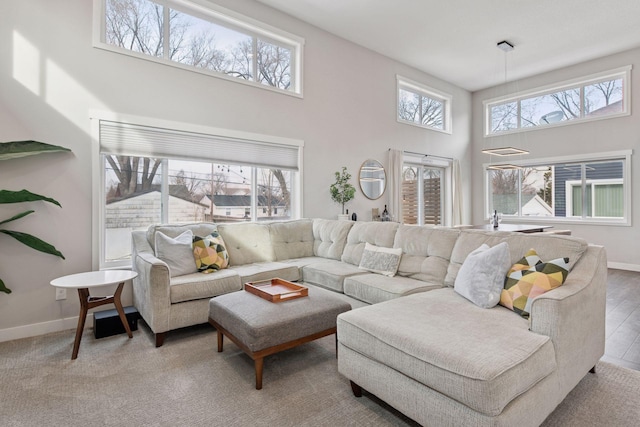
(146, 141)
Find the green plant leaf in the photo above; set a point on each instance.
(16, 149)
(3, 288)
(13, 218)
(8, 196)
(33, 242)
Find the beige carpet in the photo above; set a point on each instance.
(121, 381)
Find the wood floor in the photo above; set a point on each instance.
(623, 319)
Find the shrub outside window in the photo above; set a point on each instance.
(208, 39)
(423, 106)
(600, 96)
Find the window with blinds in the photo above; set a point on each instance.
(157, 174)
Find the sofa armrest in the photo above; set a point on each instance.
(573, 316)
(151, 291)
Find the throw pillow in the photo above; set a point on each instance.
(380, 260)
(210, 253)
(481, 276)
(176, 252)
(525, 282)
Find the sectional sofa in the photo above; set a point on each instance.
(414, 341)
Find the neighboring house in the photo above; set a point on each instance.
(238, 207)
(137, 212)
(532, 205)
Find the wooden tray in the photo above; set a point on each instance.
(276, 290)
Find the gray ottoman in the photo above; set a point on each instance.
(261, 328)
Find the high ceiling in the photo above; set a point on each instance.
(455, 40)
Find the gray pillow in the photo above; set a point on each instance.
(176, 252)
(380, 260)
(481, 276)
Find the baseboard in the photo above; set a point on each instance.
(36, 329)
(623, 266)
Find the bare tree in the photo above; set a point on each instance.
(134, 174)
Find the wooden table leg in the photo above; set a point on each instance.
(83, 294)
(118, 304)
(220, 341)
(259, 364)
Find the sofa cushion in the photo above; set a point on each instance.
(481, 277)
(247, 242)
(330, 237)
(480, 358)
(329, 273)
(259, 271)
(375, 288)
(426, 252)
(548, 247)
(210, 253)
(292, 239)
(380, 260)
(376, 233)
(198, 286)
(173, 230)
(529, 278)
(176, 252)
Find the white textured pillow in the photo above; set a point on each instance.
(481, 277)
(380, 260)
(176, 252)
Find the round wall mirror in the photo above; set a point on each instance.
(373, 179)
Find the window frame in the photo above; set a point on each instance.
(403, 83)
(99, 176)
(219, 16)
(623, 155)
(578, 83)
(591, 184)
(444, 176)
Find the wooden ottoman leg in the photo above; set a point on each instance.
(259, 363)
(220, 340)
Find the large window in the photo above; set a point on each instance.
(590, 98)
(183, 182)
(595, 189)
(422, 106)
(205, 39)
(422, 195)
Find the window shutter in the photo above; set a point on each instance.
(145, 141)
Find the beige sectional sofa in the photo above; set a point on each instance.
(431, 354)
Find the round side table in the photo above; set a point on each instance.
(82, 282)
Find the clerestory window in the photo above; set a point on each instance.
(420, 105)
(596, 97)
(206, 39)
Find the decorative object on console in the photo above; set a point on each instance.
(342, 191)
(13, 150)
(529, 278)
(380, 260)
(385, 214)
(354, 217)
(481, 276)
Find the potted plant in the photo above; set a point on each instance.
(342, 191)
(12, 150)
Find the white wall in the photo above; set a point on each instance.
(592, 137)
(51, 76)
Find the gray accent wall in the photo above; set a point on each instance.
(622, 133)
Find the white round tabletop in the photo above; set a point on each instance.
(93, 279)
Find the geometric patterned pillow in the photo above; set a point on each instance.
(529, 278)
(210, 253)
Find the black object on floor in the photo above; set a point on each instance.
(107, 322)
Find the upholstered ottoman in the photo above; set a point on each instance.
(261, 328)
